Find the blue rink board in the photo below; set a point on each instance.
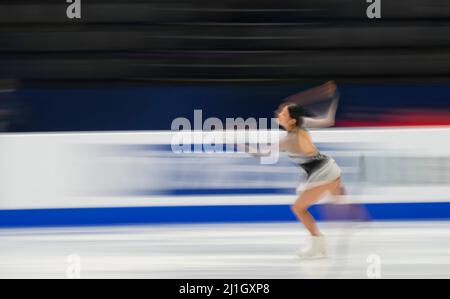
(219, 214)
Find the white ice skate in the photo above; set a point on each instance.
(316, 249)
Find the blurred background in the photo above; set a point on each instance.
(86, 106)
(124, 60)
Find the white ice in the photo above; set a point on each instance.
(247, 250)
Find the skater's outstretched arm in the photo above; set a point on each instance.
(258, 153)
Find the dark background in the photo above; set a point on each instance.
(136, 64)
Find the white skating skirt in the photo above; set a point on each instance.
(327, 172)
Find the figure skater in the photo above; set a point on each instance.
(323, 175)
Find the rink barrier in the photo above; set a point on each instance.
(64, 179)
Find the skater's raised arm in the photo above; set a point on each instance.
(324, 121)
(312, 95)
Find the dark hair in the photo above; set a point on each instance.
(297, 112)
